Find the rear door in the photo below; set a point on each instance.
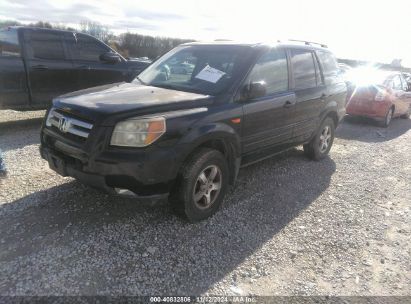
(267, 120)
(406, 96)
(336, 88)
(13, 82)
(90, 69)
(50, 70)
(400, 96)
(310, 91)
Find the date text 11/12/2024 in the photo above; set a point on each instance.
(205, 299)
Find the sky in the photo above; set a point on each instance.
(376, 30)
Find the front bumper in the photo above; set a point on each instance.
(143, 173)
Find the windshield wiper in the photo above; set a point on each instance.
(177, 88)
(165, 86)
(139, 79)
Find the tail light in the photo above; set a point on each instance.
(381, 94)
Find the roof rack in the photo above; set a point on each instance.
(309, 42)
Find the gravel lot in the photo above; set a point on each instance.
(16, 117)
(290, 226)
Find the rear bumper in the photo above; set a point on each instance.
(374, 109)
(365, 114)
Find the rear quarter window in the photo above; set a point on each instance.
(9, 44)
(329, 67)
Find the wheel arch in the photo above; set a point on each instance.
(334, 116)
(220, 137)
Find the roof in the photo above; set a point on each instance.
(39, 28)
(288, 43)
(16, 27)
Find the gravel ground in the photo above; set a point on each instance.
(13, 117)
(290, 226)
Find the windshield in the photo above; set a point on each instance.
(205, 69)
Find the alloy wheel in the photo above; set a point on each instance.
(207, 187)
(325, 139)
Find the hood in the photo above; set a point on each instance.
(123, 98)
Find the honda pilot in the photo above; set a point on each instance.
(183, 134)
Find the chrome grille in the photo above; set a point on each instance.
(66, 124)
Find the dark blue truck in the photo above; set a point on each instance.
(38, 64)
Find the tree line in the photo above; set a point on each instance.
(132, 45)
(127, 44)
(136, 45)
(40, 24)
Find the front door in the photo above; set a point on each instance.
(267, 118)
(50, 70)
(91, 70)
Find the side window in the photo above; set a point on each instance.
(87, 48)
(9, 44)
(329, 66)
(320, 77)
(302, 62)
(47, 45)
(396, 83)
(272, 69)
(404, 83)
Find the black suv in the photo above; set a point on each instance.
(185, 133)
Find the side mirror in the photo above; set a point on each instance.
(110, 57)
(254, 90)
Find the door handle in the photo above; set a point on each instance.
(40, 67)
(289, 104)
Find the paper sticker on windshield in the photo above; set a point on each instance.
(210, 74)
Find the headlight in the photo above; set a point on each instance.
(138, 132)
(49, 116)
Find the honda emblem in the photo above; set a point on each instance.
(64, 124)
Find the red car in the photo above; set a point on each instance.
(382, 98)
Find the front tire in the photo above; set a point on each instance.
(202, 185)
(320, 145)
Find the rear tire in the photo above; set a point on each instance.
(388, 117)
(407, 115)
(201, 186)
(320, 145)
